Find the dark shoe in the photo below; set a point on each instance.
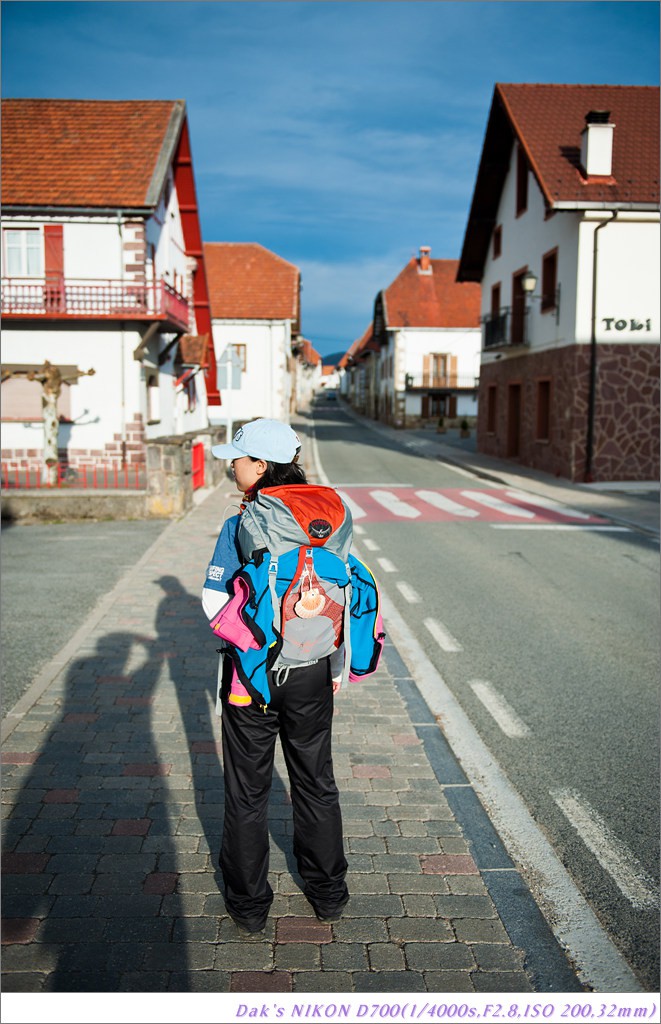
(330, 916)
(247, 932)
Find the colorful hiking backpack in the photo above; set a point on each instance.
(301, 594)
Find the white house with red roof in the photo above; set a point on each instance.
(427, 331)
(255, 310)
(563, 236)
(306, 374)
(103, 269)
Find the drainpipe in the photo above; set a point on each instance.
(592, 392)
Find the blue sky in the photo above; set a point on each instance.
(340, 135)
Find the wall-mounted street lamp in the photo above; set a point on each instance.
(529, 283)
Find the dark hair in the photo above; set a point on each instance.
(278, 474)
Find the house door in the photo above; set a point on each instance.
(513, 420)
(518, 336)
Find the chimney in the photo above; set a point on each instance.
(597, 144)
(424, 259)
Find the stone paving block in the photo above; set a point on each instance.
(419, 905)
(397, 863)
(385, 956)
(364, 883)
(361, 905)
(420, 929)
(448, 981)
(144, 981)
(361, 929)
(435, 956)
(412, 844)
(72, 884)
(199, 981)
(415, 883)
(303, 929)
(389, 981)
(170, 956)
(27, 981)
(297, 956)
(19, 930)
(261, 981)
(344, 956)
(469, 930)
(326, 981)
(140, 930)
(465, 906)
(373, 844)
(461, 885)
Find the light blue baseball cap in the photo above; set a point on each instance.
(270, 440)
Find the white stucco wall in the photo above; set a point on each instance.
(265, 384)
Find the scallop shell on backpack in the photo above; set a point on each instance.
(311, 603)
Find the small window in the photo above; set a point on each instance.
(153, 399)
(543, 410)
(492, 408)
(495, 300)
(23, 253)
(521, 182)
(549, 280)
(497, 242)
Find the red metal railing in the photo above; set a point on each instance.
(114, 477)
(93, 298)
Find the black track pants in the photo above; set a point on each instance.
(301, 711)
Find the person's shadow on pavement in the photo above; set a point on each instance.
(89, 893)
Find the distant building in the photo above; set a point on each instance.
(563, 236)
(306, 374)
(102, 268)
(255, 308)
(427, 330)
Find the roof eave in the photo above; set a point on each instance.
(54, 208)
(167, 153)
(581, 204)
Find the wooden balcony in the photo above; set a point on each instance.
(42, 299)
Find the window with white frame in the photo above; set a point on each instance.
(23, 252)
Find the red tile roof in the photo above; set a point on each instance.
(547, 121)
(87, 153)
(431, 299)
(309, 353)
(248, 282)
(360, 347)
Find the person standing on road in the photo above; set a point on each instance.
(264, 453)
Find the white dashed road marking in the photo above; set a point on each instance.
(408, 593)
(370, 544)
(502, 713)
(386, 565)
(443, 638)
(630, 877)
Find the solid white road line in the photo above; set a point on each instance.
(503, 714)
(560, 526)
(446, 504)
(395, 505)
(386, 565)
(630, 877)
(408, 593)
(370, 544)
(494, 502)
(356, 511)
(548, 503)
(443, 638)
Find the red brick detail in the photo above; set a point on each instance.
(16, 757)
(160, 883)
(147, 769)
(205, 747)
(405, 739)
(61, 796)
(24, 863)
(131, 827)
(80, 716)
(371, 771)
(17, 930)
(448, 864)
(302, 929)
(260, 981)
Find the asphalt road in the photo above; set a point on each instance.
(548, 638)
(53, 575)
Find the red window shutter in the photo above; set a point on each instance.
(54, 251)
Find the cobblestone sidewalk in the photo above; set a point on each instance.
(113, 799)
